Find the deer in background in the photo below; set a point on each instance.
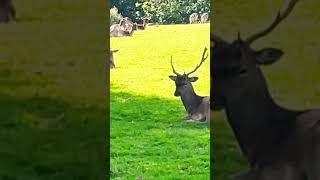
(204, 18)
(124, 28)
(140, 26)
(112, 51)
(193, 18)
(197, 107)
(278, 143)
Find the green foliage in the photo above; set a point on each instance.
(162, 11)
(127, 8)
(174, 11)
(148, 138)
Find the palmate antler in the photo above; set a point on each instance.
(203, 58)
(280, 17)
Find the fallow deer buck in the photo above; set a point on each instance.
(197, 107)
(279, 143)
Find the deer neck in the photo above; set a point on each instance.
(191, 100)
(259, 124)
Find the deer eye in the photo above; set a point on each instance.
(243, 70)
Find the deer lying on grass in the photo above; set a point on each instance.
(124, 28)
(204, 18)
(140, 26)
(197, 107)
(193, 18)
(112, 51)
(279, 143)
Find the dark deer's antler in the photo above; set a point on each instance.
(217, 39)
(280, 17)
(203, 58)
(174, 71)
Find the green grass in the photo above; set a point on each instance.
(52, 91)
(293, 81)
(148, 139)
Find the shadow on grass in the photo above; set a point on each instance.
(149, 139)
(127, 107)
(43, 138)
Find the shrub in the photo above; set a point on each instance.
(162, 11)
(173, 11)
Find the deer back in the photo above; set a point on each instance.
(202, 113)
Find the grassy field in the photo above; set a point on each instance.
(148, 139)
(293, 81)
(52, 91)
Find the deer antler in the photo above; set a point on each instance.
(217, 39)
(174, 71)
(203, 58)
(280, 17)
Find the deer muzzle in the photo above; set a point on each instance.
(176, 93)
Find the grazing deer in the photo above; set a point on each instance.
(193, 18)
(124, 28)
(197, 107)
(279, 143)
(204, 18)
(112, 51)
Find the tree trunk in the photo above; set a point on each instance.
(7, 11)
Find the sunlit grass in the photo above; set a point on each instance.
(148, 139)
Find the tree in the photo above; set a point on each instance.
(127, 8)
(161, 11)
(173, 11)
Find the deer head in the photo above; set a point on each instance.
(235, 66)
(112, 51)
(183, 81)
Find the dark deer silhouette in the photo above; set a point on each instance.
(7, 11)
(142, 26)
(197, 107)
(279, 143)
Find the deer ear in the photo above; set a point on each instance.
(193, 79)
(114, 50)
(173, 78)
(268, 56)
